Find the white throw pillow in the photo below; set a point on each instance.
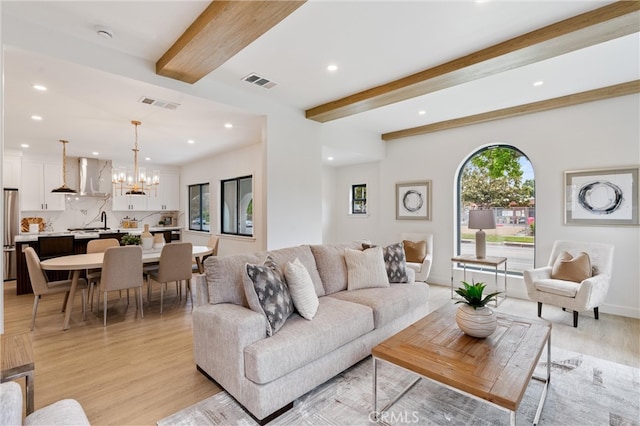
(301, 288)
(365, 269)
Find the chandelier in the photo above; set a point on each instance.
(136, 181)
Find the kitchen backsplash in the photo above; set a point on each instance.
(85, 212)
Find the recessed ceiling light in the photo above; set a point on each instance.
(24, 145)
(228, 125)
(538, 83)
(191, 141)
(422, 112)
(147, 158)
(36, 117)
(330, 158)
(332, 67)
(95, 153)
(39, 87)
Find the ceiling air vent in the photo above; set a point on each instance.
(254, 78)
(159, 103)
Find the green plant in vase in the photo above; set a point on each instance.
(472, 295)
(474, 317)
(131, 240)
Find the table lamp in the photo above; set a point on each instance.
(481, 219)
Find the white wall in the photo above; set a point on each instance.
(599, 134)
(243, 162)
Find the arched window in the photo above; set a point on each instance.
(499, 178)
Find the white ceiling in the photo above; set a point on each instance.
(371, 42)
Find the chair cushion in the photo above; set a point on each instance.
(415, 251)
(559, 287)
(365, 269)
(301, 288)
(569, 268)
(268, 294)
(394, 262)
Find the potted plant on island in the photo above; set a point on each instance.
(473, 317)
(131, 240)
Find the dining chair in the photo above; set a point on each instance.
(213, 242)
(121, 270)
(42, 286)
(174, 265)
(93, 275)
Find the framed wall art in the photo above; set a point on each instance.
(413, 200)
(601, 197)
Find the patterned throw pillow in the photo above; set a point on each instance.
(394, 262)
(268, 294)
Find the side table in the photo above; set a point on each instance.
(17, 361)
(490, 261)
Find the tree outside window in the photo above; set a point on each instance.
(359, 199)
(237, 206)
(199, 217)
(500, 178)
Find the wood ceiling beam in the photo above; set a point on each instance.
(622, 89)
(590, 28)
(220, 32)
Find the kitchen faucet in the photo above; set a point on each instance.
(103, 218)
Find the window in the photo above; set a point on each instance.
(237, 206)
(359, 199)
(499, 177)
(199, 218)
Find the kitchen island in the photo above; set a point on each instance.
(80, 241)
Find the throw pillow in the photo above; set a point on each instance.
(268, 294)
(394, 262)
(365, 269)
(569, 268)
(415, 251)
(301, 288)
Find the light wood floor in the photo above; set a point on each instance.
(137, 371)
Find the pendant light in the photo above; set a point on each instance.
(64, 189)
(139, 180)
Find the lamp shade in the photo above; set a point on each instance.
(482, 219)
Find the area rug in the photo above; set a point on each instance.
(584, 391)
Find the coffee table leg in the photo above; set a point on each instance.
(546, 381)
(375, 389)
(29, 390)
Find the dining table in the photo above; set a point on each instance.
(81, 262)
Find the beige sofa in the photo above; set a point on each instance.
(266, 374)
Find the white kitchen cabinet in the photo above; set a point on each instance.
(126, 202)
(11, 171)
(168, 194)
(38, 179)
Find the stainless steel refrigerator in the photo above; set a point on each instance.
(11, 220)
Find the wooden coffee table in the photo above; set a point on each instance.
(496, 369)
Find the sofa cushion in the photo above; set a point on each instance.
(300, 342)
(305, 256)
(388, 303)
(225, 278)
(569, 268)
(67, 412)
(268, 294)
(331, 264)
(301, 288)
(365, 269)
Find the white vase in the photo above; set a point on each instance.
(147, 243)
(480, 322)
